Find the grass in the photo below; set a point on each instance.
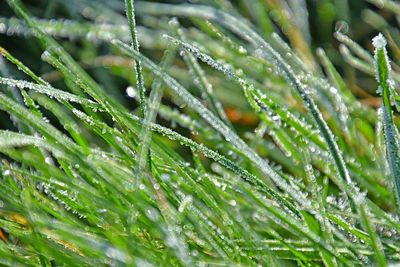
(215, 133)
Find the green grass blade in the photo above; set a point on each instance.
(383, 76)
(150, 116)
(130, 14)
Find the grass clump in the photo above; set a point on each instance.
(217, 143)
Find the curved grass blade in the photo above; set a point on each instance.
(22, 67)
(49, 91)
(384, 78)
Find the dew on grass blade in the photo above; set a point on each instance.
(383, 77)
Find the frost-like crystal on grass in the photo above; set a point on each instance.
(379, 41)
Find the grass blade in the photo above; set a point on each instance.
(130, 14)
(383, 76)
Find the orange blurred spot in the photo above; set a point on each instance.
(233, 114)
(236, 116)
(2, 237)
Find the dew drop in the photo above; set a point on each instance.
(342, 27)
(130, 91)
(48, 160)
(156, 186)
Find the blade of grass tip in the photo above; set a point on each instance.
(374, 20)
(30, 103)
(387, 4)
(22, 67)
(150, 115)
(383, 76)
(355, 47)
(354, 61)
(130, 14)
(360, 64)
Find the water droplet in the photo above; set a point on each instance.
(130, 91)
(152, 214)
(232, 202)
(165, 177)
(156, 186)
(48, 160)
(342, 27)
